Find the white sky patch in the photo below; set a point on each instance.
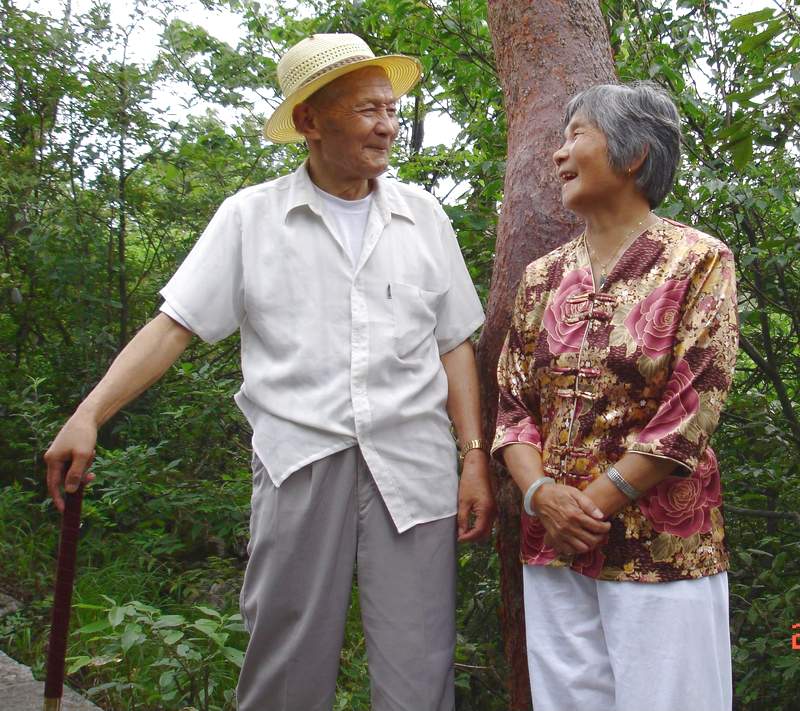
(175, 102)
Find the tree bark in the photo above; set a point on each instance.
(546, 51)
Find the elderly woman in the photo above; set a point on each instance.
(618, 360)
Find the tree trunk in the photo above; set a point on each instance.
(546, 51)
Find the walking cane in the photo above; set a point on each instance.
(65, 576)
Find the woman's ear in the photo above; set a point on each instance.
(637, 163)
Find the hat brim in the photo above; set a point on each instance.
(403, 73)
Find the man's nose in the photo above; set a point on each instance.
(387, 123)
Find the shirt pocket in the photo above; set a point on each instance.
(414, 312)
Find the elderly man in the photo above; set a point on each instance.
(355, 309)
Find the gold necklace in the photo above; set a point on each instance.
(629, 237)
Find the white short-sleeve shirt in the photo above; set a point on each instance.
(334, 353)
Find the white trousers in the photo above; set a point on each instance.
(624, 646)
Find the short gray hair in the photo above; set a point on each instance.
(635, 118)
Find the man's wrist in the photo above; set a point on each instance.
(470, 447)
(476, 453)
(86, 413)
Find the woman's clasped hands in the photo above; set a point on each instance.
(573, 522)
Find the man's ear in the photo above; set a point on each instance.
(305, 120)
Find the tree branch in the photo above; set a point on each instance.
(764, 513)
(777, 382)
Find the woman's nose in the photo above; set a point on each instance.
(560, 155)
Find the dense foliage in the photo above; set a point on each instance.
(112, 159)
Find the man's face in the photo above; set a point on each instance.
(356, 124)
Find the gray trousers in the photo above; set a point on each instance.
(305, 538)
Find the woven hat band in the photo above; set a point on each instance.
(336, 65)
(316, 55)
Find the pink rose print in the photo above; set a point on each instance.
(534, 551)
(564, 337)
(654, 320)
(679, 402)
(524, 431)
(591, 563)
(682, 505)
(707, 304)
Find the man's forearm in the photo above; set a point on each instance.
(476, 508)
(463, 392)
(143, 361)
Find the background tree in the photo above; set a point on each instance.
(546, 52)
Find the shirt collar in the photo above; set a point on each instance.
(301, 191)
(388, 198)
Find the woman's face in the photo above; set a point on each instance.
(587, 180)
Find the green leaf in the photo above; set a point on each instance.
(77, 663)
(141, 607)
(211, 630)
(116, 615)
(762, 38)
(130, 636)
(172, 636)
(742, 152)
(748, 21)
(735, 132)
(236, 656)
(169, 621)
(96, 626)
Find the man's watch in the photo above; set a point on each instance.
(469, 446)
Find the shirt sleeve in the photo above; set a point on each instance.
(704, 356)
(459, 312)
(174, 315)
(518, 412)
(206, 293)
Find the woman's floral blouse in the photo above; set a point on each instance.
(641, 365)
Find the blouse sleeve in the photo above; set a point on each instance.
(518, 413)
(703, 357)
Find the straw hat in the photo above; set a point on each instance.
(318, 60)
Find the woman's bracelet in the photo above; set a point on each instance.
(623, 484)
(532, 489)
